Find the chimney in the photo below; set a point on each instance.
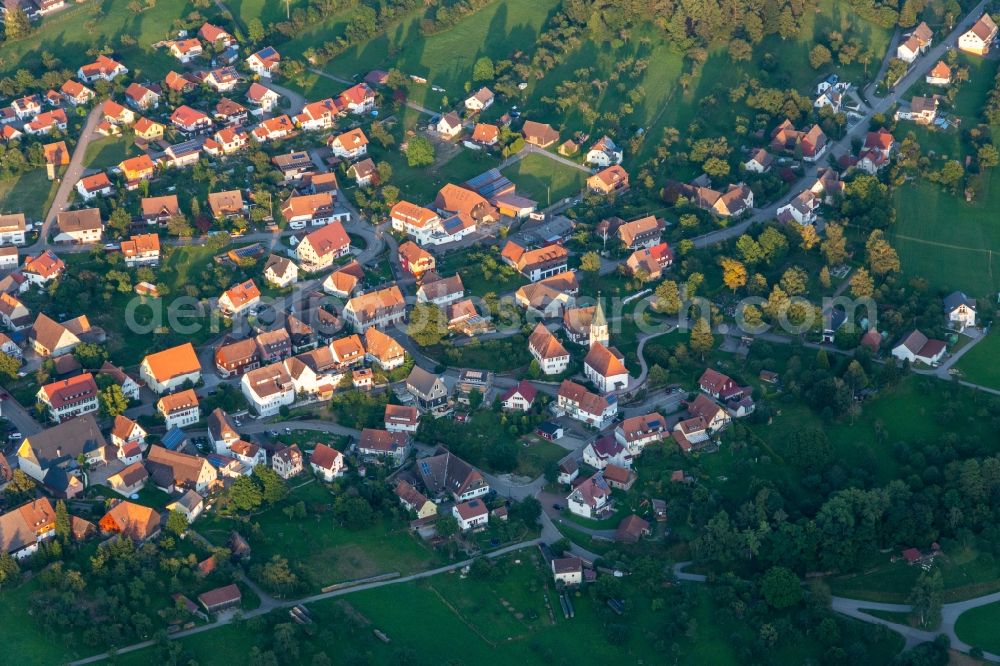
(58, 451)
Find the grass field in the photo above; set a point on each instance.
(949, 242)
(978, 627)
(328, 553)
(966, 574)
(69, 34)
(545, 180)
(979, 365)
(30, 193)
(108, 151)
(446, 58)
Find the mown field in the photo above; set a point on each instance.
(30, 193)
(979, 365)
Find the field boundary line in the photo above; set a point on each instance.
(946, 245)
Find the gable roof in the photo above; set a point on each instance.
(545, 343)
(173, 362)
(604, 362)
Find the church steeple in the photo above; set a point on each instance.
(599, 325)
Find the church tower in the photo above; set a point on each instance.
(599, 325)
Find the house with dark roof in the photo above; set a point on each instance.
(591, 499)
(445, 473)
(429, 390)
(51, 455)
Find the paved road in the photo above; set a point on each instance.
(297, 100)
(530, 149)
(690, 577)
(69, 180)
(843, 146)
(949, 616)
(276, 603)
(19, 416)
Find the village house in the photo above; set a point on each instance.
(239, 299)
(650, 263)
(168, 370)
(916, 44)
(607, 450)
(141, 250)
(345, 281)
(568, 471)
(190, 121)
(229, 112)
(383, 350)
(103, 68)
(181, 83)
(48, 338)
(567, 571)
(801, 210)
(960, 310)
(605, 368)
(79, 226)
(172, 470)
(318, 249)
(539, 134)
(591, 499)
(94, 185)
(76, 93)
(917, 347)
(357, 99)
(449, 126)
(268, 388)
(186, 50)
(619, 478)
(131, 479)
(940, 74)
(480, 101)
(71, 397)
(128, 385)
(179, 409)
(545, 348)
(923, 110)
(414, 259)
(42, 269)
(875, 152)
(220, 599)
(428, 390)
(414, 501)
(51, 456)
(280, 271)
(216, 36)
(137, 169)
(262, 97)
(378, 446)
(237, 357)
(401, 418)
(549, 297)
(604, 153)
(444, 473)
(15, 315)
(317, 115)
(632, 529)
(23, 529)
(264, 62)
(609, 180)
(642, 233)
(228, 204)
(441, 292)
(381, 309)
(137, 522)
(8, 259)
(190, 505)
(140, 97)
(129, 438)
(580, 404)
(312, 210)
(586, 326)
(327, 462)
(760, 161)
(979, 38)
(223, 80)
(484, 134)
(519, 398)
(12, 229)
(159, 210)
(468, 206)
(45, 123)
(364, 173)
(287, 462)
(349, 145)
(471, 515)
(638, 432)
(536, 264)
(273, 129)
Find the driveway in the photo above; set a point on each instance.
(69, 179)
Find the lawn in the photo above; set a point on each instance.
(108, 151)
(966, 573)
(946, 240)
(31, 646)
(978, 627)
(327, 552)
(979, 364)
(30, 193)
(497, 355)
(70, 34)
(535, 455)
(545, 180)
(446, 58)
(481, 270)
